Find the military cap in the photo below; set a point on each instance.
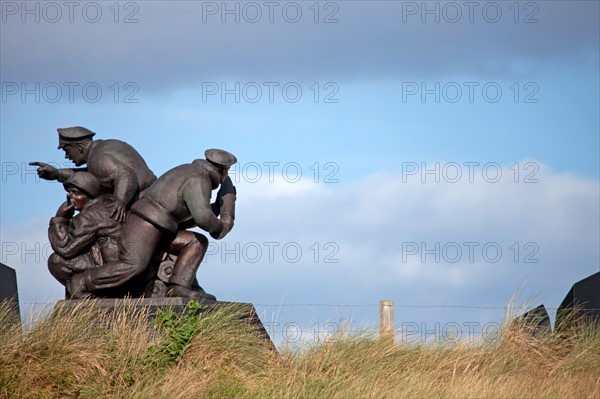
(75, 134)
(84, 181)
(220, 158)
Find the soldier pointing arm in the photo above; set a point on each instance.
(120, 169)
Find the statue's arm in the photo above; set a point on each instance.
(224, 206)
(49, 172)
(123, 180)
(196, 195)
(188, 224)
(228, 195)
(72, 237)
(64, 174)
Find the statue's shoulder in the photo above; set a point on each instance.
(98, 207)
(102, 149)
(99, 202)
(110, 144)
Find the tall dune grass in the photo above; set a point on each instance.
(88, 353)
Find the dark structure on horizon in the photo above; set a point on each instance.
(581, 304)
(8, 288)
(536, 322)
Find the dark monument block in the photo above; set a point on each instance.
(8, 288)
(582, 303)
(536, 322)
(246, 311)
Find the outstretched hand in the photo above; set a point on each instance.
(227, 226)
(45, 171)
(118, 211)
(65, 210)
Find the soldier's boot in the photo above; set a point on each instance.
(196, 286)
(180, 283)
(175, 290)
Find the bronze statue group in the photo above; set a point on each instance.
(130, 237)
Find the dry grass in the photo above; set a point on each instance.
(88, 354)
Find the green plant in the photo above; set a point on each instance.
(178, 330)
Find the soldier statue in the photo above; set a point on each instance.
(177, 200)
(128, 220)
(87, 240)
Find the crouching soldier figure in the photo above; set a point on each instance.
(87, 240)
(177, 200)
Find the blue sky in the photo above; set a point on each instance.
(370, 96)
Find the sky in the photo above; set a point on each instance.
(444, 155)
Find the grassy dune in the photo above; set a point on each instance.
(89, 354)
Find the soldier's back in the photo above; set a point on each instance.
(125, 156)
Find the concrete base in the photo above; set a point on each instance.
(178, 305)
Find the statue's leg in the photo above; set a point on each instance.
(139, 240)
(63, 269)
(190, 249)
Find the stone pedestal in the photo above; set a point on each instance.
(178, 305)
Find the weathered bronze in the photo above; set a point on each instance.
(130, 237)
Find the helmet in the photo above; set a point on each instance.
(85, 182)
